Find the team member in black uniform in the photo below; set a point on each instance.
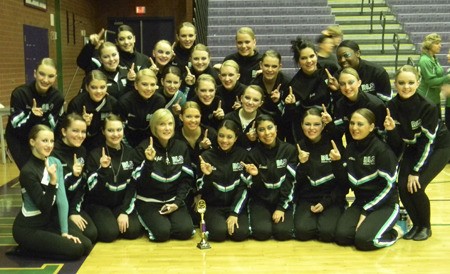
(186, 36)
(274, 84)
(414, 125)
(372, 170)
(271, 165)
(120, 80)
(136, 107)
(231, 89)
(208, 100)
(375, 79)
(31, 104)
(129, 57)
(349, 84)
(223, 187)
(200, 63)
(170, 89)
(72, 154)
(163, 55)
(163, 181)
(41, 227)
(308, 88)
(321, 183)
(251, 101)
(111, 194)
(93, 105)
(246, 56)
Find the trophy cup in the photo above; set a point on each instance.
(201, 208)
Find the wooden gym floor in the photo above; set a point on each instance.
(142, 256)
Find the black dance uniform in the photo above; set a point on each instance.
(22, 119)
(100, 111)
(426, 150)
(136, 112)
(208, 118)
(242, 140)
(272, 189)
(225, 193)
(166, 179)
(111, 193)
(75, 186)
(309, 91)
(229, 96)
(372, 171)
(319, 180)
(275, 110)
(189, 90)
(39, 226)
(345, 108)
(248, 65)
(375, 80)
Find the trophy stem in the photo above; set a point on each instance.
(203, 244)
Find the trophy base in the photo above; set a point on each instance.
(203, 245)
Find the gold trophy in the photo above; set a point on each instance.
(201, 208)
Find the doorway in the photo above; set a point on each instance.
(35, 42)
(148, 31)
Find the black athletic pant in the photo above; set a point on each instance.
(90, 230)
(160, 228)
(418, 203)
(216, 225)
(321, 226)
(262, 225)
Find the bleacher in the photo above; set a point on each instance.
(275, 24)
(420, 18)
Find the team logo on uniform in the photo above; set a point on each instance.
(281, 163)
(177, 160)
(369, 160)
(368, 87)
(325, 158)
(127, 165)
(237, 166)
(416, 124)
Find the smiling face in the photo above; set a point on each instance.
(126, 41)
(74, 134)
(191, 118)
(206, 91)
(308, 61)
(200, 60)
(146, 86)
(113, 132)
(229, 77)
(42, 144)
(187, 37)
(348, 57)
(251, 100)
(245, 44)
(349, 86)
(406, 84)
(109, 57)
(226, 138)
(171, 83)
(163, 53)
(270, 67)
(312, 127)
(267, 133)
(360, 127)
(97, 90)
(165, 129)
(45, 76)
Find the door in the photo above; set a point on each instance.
(35, 42)
(148, 31)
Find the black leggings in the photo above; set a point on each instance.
(262, 225)
(107, 227)
(216, 225)
(47, 242)
(418, 203)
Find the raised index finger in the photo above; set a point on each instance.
(388, 112)
(151, 142)
(151, 61)
(100, 34)
(188, 71)
(201, 159)
(206, 134)
(84, 110)
(328, 73)
(103, 152)
(334, 145)
(132, 67)
(278, 88)
(75, 159)
(298, 148)
(324, 108)
(34, 103)
(290, 91)
(220, 104)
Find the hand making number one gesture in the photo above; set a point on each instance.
(150, 151)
